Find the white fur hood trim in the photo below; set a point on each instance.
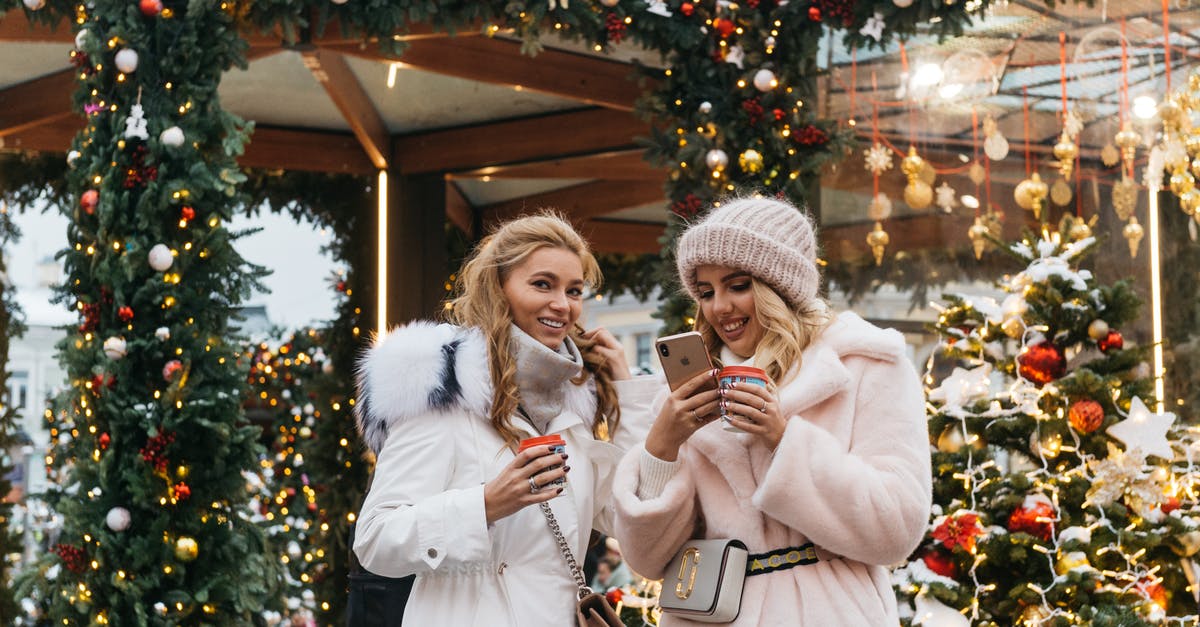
(416, 369)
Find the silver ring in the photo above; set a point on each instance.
(696, 416)
(763, 409)
(533, 487)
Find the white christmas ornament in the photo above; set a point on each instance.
(118, 519)
(126, 60)
(932, 613)
(160, 258)
(609, 3)
(736, 56)
(902, 3)
(72, 157)
(340, 1)
(716, 159)
(1144, 430)
(162, 334)
(34, 5)
(172, 136)
(81, 38)
(658, 7)
(705, 107)
(996, 147)
(945, 197)
(880, 207)
(874, 27)
(764, 80)
(114, 347)
(135, 124)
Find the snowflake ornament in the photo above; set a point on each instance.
(946, 198)
(874, 27)
(135, 124)
(877, 159)
(1073, 124)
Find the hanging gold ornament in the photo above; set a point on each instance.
(1065, 151)
(1098, 329)
(1072, 561)
(1133, 233)
(1192, 144)
(951, 440)
(928, 174)
(1013, 327)
(1080, 229)
(1189, 202)
(1195, 167)
(1060, 192)
(186, 549)
(1110, 155)
(978, 235)
(995, 146)
(1030, 194)
(1124, 197)
(1182, 182)
(878, 240)
(1171, 114)
(708, 131)
(918, 194)
(976, 173)
(750, 161)
(1128, 140)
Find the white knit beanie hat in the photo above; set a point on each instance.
(771, 239)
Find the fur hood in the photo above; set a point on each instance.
(424, 369)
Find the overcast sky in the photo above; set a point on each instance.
(299, 296)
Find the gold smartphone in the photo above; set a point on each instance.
(683, 356)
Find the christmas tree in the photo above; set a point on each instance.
(1060, 496)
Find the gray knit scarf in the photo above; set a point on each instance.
(542, 376)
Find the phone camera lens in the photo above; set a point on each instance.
(663, 350)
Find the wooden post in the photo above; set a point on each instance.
(417, 266)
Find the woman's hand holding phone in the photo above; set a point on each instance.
(689, 407)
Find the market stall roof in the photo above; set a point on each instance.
(512, 132)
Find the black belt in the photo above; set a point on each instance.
(781, 559)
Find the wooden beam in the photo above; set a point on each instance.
(623, 165)
(518, 141)
(580, 202)
(36, 102)
(622, 236)
(14, 26)
(44, 138)
(335, 75)
(287, 149)
(554, 72)
(459, 210)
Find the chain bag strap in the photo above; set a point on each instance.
(592, 609)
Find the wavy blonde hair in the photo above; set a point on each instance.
(786, 331)
(479, 302)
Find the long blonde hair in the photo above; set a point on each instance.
(479, 302)
(786, 331)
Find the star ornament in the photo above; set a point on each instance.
(1144, 430)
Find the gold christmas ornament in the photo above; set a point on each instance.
(1189, 202)
(1033, 616)
(1133, 233)
(976, 173)
(978, 235)
(928, 174)
(1079, 229)
(1124, 197)
(918, 194)
(708, 131)
(1013, 327)
(878, 240)
(1110, 155)
(1030, 193)
(1171, 114)
(1060, 192)
(1065, 151)
(912, 164)
(750, 161)
(1192, 143)
(951, 440)
(186, 549)
(1182, 182)
(1195, 167)
(1049, 445)
(1128, 140)
(1098, 329)
(1071, 561)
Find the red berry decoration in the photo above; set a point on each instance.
(724, 27)
(1042, 363)
(614, 596)
(1086, 415)
(1112, 341)
(814, 14)
(688, 207)
(182, 491)
(687, 8)
(1035, 517)
(779, 114)
(940, 562)
(72, 557)
(125, 313)
(89, 200)
(616, 28)
(150, 8)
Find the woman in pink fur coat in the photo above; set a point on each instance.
(835, 452)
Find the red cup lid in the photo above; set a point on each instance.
(743, 371)
(541, 440)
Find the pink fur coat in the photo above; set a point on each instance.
(851, 475)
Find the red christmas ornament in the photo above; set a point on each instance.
(753, 4)
(103, 441)
(1035, 517)
(1112, 341)
(312, 507)
(170, 368)
(181, 491)
(614, 596)
(1153, 591)
(814, 14)
(687, 8)
(341, 286)
(724, 27)
(959, 530)
(1042, 363)
(89, 200)
(125, 313)
(186, 212)
(1169, 504)
(1086, 415)
(940, 562)
(150, 8)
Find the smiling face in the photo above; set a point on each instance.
(727, 304)
(545, 294)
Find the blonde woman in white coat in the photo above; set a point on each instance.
(834, 462)
(444, 407)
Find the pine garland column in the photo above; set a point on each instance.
(155, 529)
(10, 327)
